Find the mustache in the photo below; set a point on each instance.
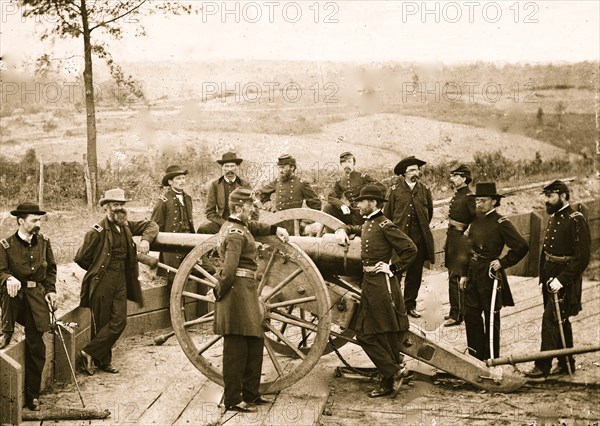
(35, 230)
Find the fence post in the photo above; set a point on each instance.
(41, 184)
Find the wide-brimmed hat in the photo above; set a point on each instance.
(286, 159)
(405, 162)
(229, 157)
(114, 195)
(371, 192)
(171, 172)
(27, 208)
(558, 187)
(486, 189)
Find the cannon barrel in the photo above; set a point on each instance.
(330, 257)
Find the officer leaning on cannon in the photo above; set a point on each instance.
(238, 315)
(173, 213)
(382, 314)
(27, 287)
(565, 255)
(488, 234)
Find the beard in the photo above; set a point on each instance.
(347, 170)
(413, 178)
(553, 208)
(35, 230)
(365, 211)
(118, 216)
(285, 176)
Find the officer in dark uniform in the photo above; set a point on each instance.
(237, 312)
(27, 287)
(290, 191)
(173, 213)
(410, 207)
(341, 201)
(456, 250)
(382, 315)
(565, 255)
(488, 234)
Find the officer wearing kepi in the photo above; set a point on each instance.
(382, 316)
(565, 255)
(456, 250)
(27, 287)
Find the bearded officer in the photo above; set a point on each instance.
(565, 255)
(382, 315)
(27, 287)
(488, 234)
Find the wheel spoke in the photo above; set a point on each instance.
(197, 296)
(263, 281)
(286, 341)
(282, 284)
(303, 330)
(273, 357)
(208, 344)
(296, 227)
(284, 325)
(204, 318)
(209, 277)
(291, 302)
(302, 324)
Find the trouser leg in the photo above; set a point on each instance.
(455, 296)
(496, 342)
(235, 354)
(35, 355)
(253, 368)
(475, 332)
(10, 310)
(383, 349)
(414, 275)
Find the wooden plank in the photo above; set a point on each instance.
(204, 408)
(142, 323)
(11, 390)
(154, 298)
(62, 355)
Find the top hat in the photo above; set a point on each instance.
(462, 170)
(405, 162)
(370, 192)
(229, 157)
(116, 195)
(27, 208)
(171, 172)
(240, 195)
(343, 155)
(286, 159)
(558, 187)
(486, 189)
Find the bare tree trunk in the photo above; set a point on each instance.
(88, 185)
(90, 107)
(41, 185)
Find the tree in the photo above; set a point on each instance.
(80, 18)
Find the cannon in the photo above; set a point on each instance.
(309, 294)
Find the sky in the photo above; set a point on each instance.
(362, 31)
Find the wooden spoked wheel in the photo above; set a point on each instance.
(296, 310)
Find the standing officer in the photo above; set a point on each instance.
(341, 201)
(565, 255)
(456, 250)
(382, 316)
(238, 315)
(410, 207)
(109, 256)
(217, 193)
(173, 213)
(489, 233)
(27, 287)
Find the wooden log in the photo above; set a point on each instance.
(64, 413)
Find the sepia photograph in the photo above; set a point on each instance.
(305, 212)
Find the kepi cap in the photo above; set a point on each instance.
(558, 187)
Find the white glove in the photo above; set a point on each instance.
(341, 237)
(555, 285)
(13, 286)
(51, 301)
(345, 209)
(144, 247)
(282, 234)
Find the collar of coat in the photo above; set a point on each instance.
(34, 239)
(237, 179)
(375, 216)
(235, 220)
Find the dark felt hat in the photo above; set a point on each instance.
(462, 170)
(558, 187)
(370, 192)
(286, 159)
(486, 189)
(229, 157)
(241, 195)
(405, 162)
(171, 172)
(27, 208)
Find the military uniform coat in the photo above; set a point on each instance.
(216, 200)
(237, 309)
(379, 239)
(27, 262)
(568, 234)
(348, 188)
(400, 204)
(456, 249)
(290, 194)
(94, 257)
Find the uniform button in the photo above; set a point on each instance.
(32, 257)
(32, 269)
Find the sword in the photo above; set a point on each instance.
(560, 328)
(492, 311)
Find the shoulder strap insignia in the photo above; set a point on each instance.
(236, 231)
(98, 227)
(502, 219)
(43, 236)
(385, 223)
(576, 215)
(163, 198)
(5, 244)
(393, 187)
